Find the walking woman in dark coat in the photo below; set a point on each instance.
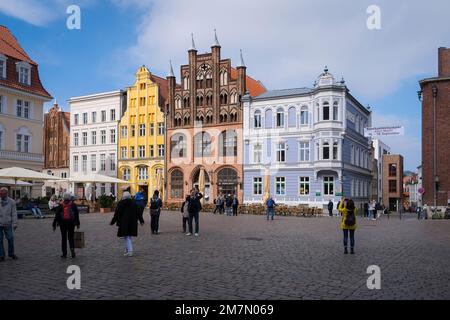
(67, 218)
(126, 218)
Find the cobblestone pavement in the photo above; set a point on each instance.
(243, 257)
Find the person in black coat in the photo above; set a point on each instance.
(194, 208)
(330, 208)
(126, 217)
(67, 218)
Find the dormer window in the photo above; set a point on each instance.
(2, 66)
(24, 72)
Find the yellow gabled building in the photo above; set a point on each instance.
(141, 134)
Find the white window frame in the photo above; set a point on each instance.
(103, 162)
(84, 138)
(257, 120)
(304, 151)
(123, 152)
(141, 151)
(75, 163)
(103, 116)
(94, 137)
(112, 114)
(281, 151)
(161, 128)
(279, 115)
(123, 132)
(257, 186)
(142, 173)
(112, 136)
(257, 153)
(3, 59)
(161, 150)
(103, 136)
(304, 120)
(84, 163)
(126, 174)
(328, 180)
(85, 118)
(93, 162)
(94, 116)
(305, 183)
(76, 138)
(280, 186)
(23, 68)
(112, 162)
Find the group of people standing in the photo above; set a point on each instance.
(226, 205)
(372, 210)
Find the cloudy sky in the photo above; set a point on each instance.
(286, 44)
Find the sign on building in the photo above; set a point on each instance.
(384, 131)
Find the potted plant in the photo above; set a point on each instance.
(106, 203)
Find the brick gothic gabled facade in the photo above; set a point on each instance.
(204, 125)
(56, 138)
(435, 128)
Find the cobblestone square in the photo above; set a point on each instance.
(243, 257)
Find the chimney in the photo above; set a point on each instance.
(444, 62)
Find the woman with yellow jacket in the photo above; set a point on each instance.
(348, 223)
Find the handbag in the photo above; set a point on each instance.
(78, 237)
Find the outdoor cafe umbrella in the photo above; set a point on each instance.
(266, 185)
(96, 178)
(11, 182)
(159, 184)
(201, 184)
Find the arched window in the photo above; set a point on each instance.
(23, 140)
(335, 151)
(199, 101)
(233, 115)
(186, 82)
(223, 78)
(200, 83)
(176, 181)
(186, 102)
(257, 119)
(177, 120)
(187, 119)
(223, 98)
(178, 146)
(202, 144)
(209, 117)
(233, 98)
(223, 117)
(209, 99)
(228, 143)
(268, 119)
(304, 116)
(143, 173)
(336, 110)
(126, 174)
(280, 118)
(177, 103)
(209, 79)
(326, 111)
(291, 117)
(326, 151)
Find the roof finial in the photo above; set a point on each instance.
(193, 43)
(241, 61)
(171, 74)
(216, 41)
(325, 70)
(342, 81)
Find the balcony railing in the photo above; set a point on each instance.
(21, 156)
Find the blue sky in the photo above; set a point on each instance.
(285, 44)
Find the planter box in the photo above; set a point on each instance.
(105, 210)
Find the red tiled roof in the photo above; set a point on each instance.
(10, 47)
(163, 88)
(255, 87)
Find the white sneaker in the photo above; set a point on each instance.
(129, 254)
(196, 234)
(188, 234)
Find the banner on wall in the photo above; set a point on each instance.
(384, 131)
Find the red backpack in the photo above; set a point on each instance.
(67, 211)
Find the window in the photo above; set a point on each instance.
(141, 151)
(335, 151)
(112, 162)
(392, 170)
(103, 136)
(112, 135)
(85, 118)
(142, 101)
(152, 151)
(1, 100)
(142, 130)
(280, 118)
(85, 137)
(303, 117)
(126, 173)
(24, 74)
(75, 163)
(94, 137)
(84, 163)
(113, 114)
(160, 128)
(357, 123)
(103, 115)
(178, 146)
(103, 188)
(352, 154)
(103, 162)
(257, 119)
(304, 151)
(304, 186)
(257, 186)
(177, 181)
(26, 143)
(142, 173)
(392, 186)
(1, 140)
(123, 152)
(202, 144)
(75, 139)
(281, 152)
(23, 109)
(280, 186)
(326, 151)
(123, 131)
(328, 186)
(160, 150)
(94, 116)
(2, 67)
(152, 129)
(133, 130)
(93, 162)
(257, 153)
(131, 152)
(228, 143)
(326, 111)
(75, 119)
(335, 110)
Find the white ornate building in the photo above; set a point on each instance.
(93, 139)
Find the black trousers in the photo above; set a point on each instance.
(193, 216)
(67, 233)
(330, 212)
(185, 223)
(235, 211)
(154, 223)
(217, 209)
(352, 237)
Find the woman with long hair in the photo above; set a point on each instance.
(348, 223)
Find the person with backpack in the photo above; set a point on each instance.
(235, 205)
(365, 210)
(8, 223)
(67, 218)
(194, 208)
(229, 205)
(185, 213)
(270, 205)
(126, 217)
(330, 208)
(348, 223)
(218, 202)
(155, 211)
(140, 200)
